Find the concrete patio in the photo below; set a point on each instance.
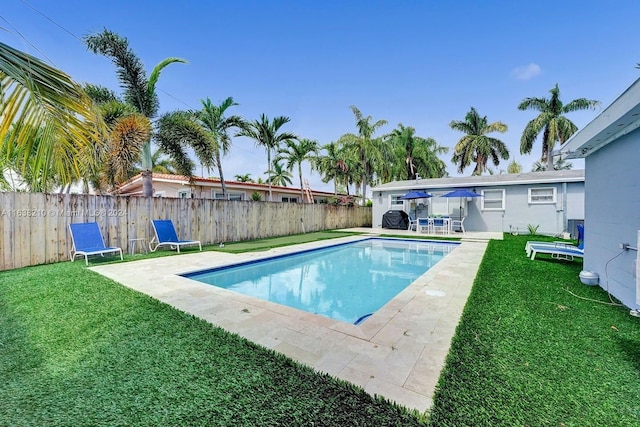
(397, 353)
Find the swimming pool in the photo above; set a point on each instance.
(346, 282)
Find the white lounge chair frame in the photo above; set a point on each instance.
(556, 250)
(173, 241)
(97, 246)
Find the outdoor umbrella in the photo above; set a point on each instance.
(415, 195)
(461, 193)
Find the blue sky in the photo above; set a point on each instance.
(419, 63)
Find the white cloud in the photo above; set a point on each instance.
(526, 72)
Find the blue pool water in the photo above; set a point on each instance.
(346, 282)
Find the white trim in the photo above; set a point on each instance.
(542, 201)
(184, 194)
(484, 200)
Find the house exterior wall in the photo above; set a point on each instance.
(517, 214)
(612, 208)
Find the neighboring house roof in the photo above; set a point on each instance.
(130, 186)
(486, 180)
(615, 121)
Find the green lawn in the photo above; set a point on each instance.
(78, 349)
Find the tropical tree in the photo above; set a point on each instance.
(162, 164)
(417, 155)
(366, 147)
(334, 165)
(244, 178)
(139, 90)
(476, 146)
(295, 152)
(558, 165)
(278, 175)
(514, 167)
(41, 103)
(267, 133)
(114, 161)
(212, 118)
(551, 122)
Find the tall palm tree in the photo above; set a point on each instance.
(139, 90)
(37, 99)
(295, 152)
(476, 146)
(365, 145)
(551, 122)
(418, 155)
(266, 133)
(333, 165)
(244, 178)
(278, 175)
(211, 117)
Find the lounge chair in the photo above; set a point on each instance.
(559, 251)
(566, 245)
(86, 239)
(165, 235)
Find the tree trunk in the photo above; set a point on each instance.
(301, 186)
(269, 173)
(147, 166)
(147, 183)
(219, 164)
(549, 161)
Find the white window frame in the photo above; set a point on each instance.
(395, 202)
(289, 199)
(502, 199)
(541, 199)
(217, 195)
(184, 194)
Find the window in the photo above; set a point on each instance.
(160, 194)
(184, 194)
(396, 201)
(217, 195)
(493, 200)
(542, 195)
(284, 199)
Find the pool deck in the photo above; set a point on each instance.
(397, 353)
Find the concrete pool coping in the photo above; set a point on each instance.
(396, 353)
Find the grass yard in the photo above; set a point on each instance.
(532, 349)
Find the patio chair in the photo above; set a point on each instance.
(458, 223)
(86, 239)
(423, 225)
(559, 251)
(567, 245)
(412, 223)
(165, 235)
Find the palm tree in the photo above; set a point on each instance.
(139, 90)
(265, 133)
(297, 152)
(127, 130)
(551, 122)
(514, 167)
(476, 146)
(211, 117)
(332, 166)
(37, 99)
(278, 175)
(244, 178)
(419, 155)
(366, 147)
(161, 164)
(559, 165)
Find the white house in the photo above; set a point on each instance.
(551, 201)
(610, 145)
(167, 185)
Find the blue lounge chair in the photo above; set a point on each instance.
(165, 234)
(86, 239)
(566, 245)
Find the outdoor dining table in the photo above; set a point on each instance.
(430, 224)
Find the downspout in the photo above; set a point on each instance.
(565, 221)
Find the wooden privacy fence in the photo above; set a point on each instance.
(34, 226)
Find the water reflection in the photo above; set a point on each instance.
(343, 282)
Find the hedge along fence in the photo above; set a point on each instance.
(34, 226)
